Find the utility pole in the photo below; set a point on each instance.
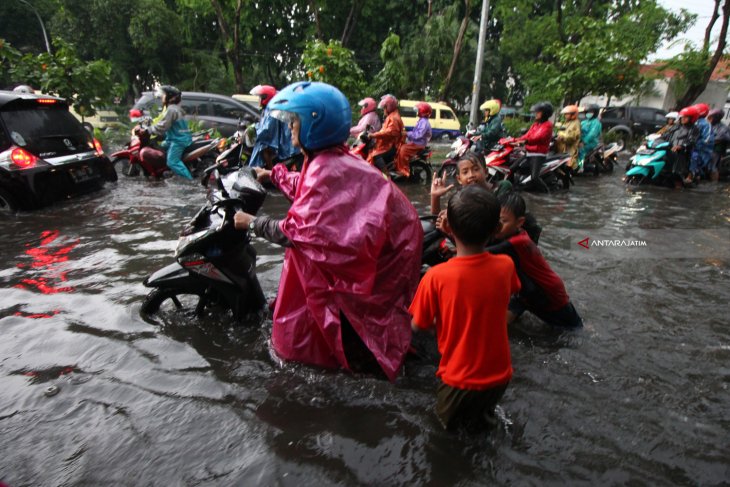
(480, 61)
(43, 27)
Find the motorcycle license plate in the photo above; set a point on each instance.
(644, 152)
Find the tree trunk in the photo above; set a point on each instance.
(231, 45)
(458, 45)
(351, 21)
(316, 19)
(696, 89)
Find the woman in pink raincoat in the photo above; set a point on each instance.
(353, 244)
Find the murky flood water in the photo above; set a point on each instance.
(94, 395)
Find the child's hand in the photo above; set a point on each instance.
(442, 223)
(438, 186)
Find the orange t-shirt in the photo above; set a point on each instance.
(468, 297)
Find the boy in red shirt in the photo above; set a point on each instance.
(466, 300)
(543, 292)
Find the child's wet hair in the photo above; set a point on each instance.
(473, 215)
(513, 202)
(473, 158)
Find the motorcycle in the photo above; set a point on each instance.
(419, 165)
(134, 159)
(449, 167)
(215, 264)
(649, 164)
(602, 159)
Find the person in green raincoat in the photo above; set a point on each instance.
(492, 129)
(174, 128)
(590, 131)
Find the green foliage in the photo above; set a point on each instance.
(331, 63)
(690, 65)
(515, 125)
(82, 84)
(392, 78)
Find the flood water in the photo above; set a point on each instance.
(639, 396)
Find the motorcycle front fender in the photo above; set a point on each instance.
(638, 171)
(173, 275)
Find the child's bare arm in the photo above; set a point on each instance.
(438, 189)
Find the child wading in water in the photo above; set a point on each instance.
(543, 292)
(469, 312)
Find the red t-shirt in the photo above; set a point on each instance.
(467, 299)
(531, 261)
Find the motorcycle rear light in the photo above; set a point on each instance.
(46, 101)
(206, 136)
(135, 113)
(22, 158)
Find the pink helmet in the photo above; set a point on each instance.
(389, 103)
(265, 93)
(368, 105)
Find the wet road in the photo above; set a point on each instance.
(94, 395)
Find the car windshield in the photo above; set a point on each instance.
(46, 132)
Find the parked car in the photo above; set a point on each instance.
(212, 111)
(444, 123)
(103, 118)
(45, 153)
(626, 123)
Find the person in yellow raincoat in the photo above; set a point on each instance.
(568, 139)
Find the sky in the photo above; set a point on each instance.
(703, 9)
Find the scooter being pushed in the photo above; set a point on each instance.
(215, 264)
(140, 157)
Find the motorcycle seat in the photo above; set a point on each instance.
(196, 150)
(552, 157)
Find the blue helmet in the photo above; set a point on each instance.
(324, 113)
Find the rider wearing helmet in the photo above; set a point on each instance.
(672, 125)
(273, 138)
(388, 138)
(568, 138)
(590, 131)
(416, 140)
(173, 126)
(353, 242)
(701, 158)
(492, 129)
(682, 141)
(368, 118)
(537, 141)
(721, 133)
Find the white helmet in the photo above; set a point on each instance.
(24, 89)
(674, 115)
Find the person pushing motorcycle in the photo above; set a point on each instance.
(537, 142)
(568, 138)
(353, 244)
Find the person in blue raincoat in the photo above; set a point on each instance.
(701, 158)
(590, 131)
(273, 137)
(174, 128)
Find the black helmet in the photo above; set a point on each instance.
(594, 109)
(169, 94)
(545, 107)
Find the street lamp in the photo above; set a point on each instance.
(43, 27)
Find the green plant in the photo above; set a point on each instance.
(333, 64)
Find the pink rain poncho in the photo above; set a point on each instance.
(356, 248)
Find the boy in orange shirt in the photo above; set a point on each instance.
(466, 300)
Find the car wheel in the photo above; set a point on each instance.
(8, 205)
(622, 138)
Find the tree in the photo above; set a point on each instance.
(62, 73)
(334, 64)
(695, 66)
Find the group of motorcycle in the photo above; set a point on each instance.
(142, 156)
(507, 160)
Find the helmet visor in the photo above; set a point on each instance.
(284, 116)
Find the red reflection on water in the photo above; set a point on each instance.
(46, 259)
(36, 316)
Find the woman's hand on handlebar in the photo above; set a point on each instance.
(241, 220)
(262, 175)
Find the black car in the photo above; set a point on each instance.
(626, 123)
(212, 111)
(45, 153)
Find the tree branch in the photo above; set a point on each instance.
(710, 25)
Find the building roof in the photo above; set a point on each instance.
(721, 72)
